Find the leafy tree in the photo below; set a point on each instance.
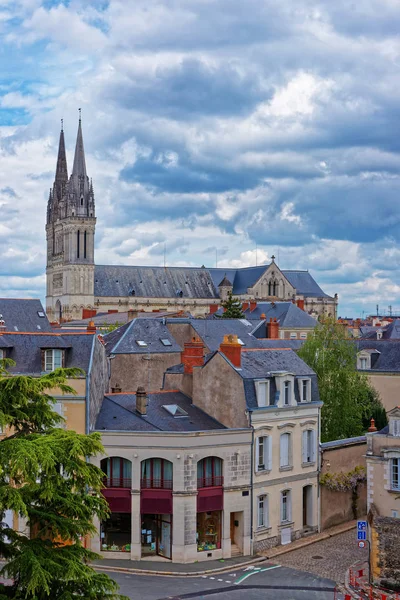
(46, 479)
(233, 308)
(349, 399)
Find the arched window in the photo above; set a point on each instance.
(78, 240)
(84, 244)
(117, 471)
(270, 289)
(209, 472)
(156, 474)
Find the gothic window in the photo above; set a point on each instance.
(274, 288)
(78, 236)
(270, 289)
(81, 200)
(84, 244)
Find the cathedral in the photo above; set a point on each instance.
(76, 287)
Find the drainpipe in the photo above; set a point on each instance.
(251, 485)
(320, 455)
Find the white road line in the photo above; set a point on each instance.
(228, 581)
(220, 579)
(204, 576)
(254, 573)
(212, 577)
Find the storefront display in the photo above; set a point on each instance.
(116, 533)
(156, 535)
(209, 530)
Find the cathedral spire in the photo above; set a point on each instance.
(61, 169)
(79, 168)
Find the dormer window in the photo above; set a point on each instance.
(287, 391)
(52, 360)
(262, 392)
(363, 363)
(395, 427)
(305, 390)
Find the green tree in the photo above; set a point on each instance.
(349, 400)
(233, 308)
(46, 479)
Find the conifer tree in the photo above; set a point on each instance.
(45, 478)
(349, 399)
(233, 308)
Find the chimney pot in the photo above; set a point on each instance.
(372, 427)
(253, 305)
(231, 348)
(262, 316)
(213, 308)
(192, 354)
(116, 389)
(142, 401)
(91, 326)
(245, 306)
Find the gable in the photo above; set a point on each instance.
(272, 274)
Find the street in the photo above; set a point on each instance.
(269, 582)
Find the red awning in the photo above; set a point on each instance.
(209, 499)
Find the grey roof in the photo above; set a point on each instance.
(153, 282)
(118, 413)
(124, 340)
(103, 319)
(25, 350)
(189, 282)
(212, 331)
(388, 359)
(22, 314)
(392, 331)
(293, 344)
(225, 282)
(345, 442)
(287, 313)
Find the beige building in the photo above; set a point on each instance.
(380, 360)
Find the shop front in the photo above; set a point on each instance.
(209, 504)
(116, 531)
(156, 535)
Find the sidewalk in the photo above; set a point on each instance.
(168, 568)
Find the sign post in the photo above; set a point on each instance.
(361, 533)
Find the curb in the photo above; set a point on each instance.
(309, 542)
(133, 571)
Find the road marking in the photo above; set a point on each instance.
(204, 576)
(228, 581)
(220, 579)
(254, 572)
(212, 577)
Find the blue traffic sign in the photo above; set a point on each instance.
(361, 535)
(361, 525)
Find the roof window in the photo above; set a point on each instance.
(141, 343)
(165, 342)
(38, 327)
(16, 328)
(241, 342)
(41, 314)
(175, 410)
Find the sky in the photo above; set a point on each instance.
(218, 131)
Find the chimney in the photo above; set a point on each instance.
(262, 317)
(245, 306)
(300, 304)
(273, 329)
(372, 427)
(213, 308)
(232, 350)
(2, 324)
(192, 355)
(91, 328)
(88, 313)
(142, 401)
(131, 315)
(112, 311)
(116, 389)
(253, 305)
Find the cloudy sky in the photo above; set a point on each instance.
(212, 127)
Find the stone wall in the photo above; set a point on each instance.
(387, 548)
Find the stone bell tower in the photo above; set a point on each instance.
(70, 230)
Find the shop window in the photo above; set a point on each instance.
(209, 472)
(116, 533)
(156, 535)
(209, 530)
(156, 474)
(118, 472)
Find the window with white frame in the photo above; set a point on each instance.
(363, 363)
(262, 511)
(308, 446)
(293, 335)
(395, 427)
(303, 335)
(286, 508)
(287, 389)
(395, 467)
(264, 453)
(285, 450)
(53, 360)
(262, 392)
(305, 390)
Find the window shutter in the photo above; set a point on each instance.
(304, 453)
(284, 447)
(269, 453)
(257, 453)
(313, 444)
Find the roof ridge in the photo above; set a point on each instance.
(148, 393)
(264, 349)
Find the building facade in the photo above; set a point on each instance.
(75, 284)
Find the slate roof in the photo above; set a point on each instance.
(22, 314)
(191, 282)
(118, 318)
(118, 413)
(389, 358)
(25, 350)
(124, 340)
(287, 313)
(153, 282)
(212, 331)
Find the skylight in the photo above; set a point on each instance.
(41, 314)
(241, 342)
(165, 342)
(175, 410)
(245, 322)
(141, 343)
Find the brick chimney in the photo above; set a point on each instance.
(91, 328)
(213, 308)
(262, 317)
(245, 306)
(372, 427)
(232, 350)
(192, 355)
(142, 401)
(300, 304)
(131, 315)
(273, 329)
(88, 313)
(253, 305)
(116, 389)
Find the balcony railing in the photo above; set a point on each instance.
(212, 481)
(152, 483)
(117, 482)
